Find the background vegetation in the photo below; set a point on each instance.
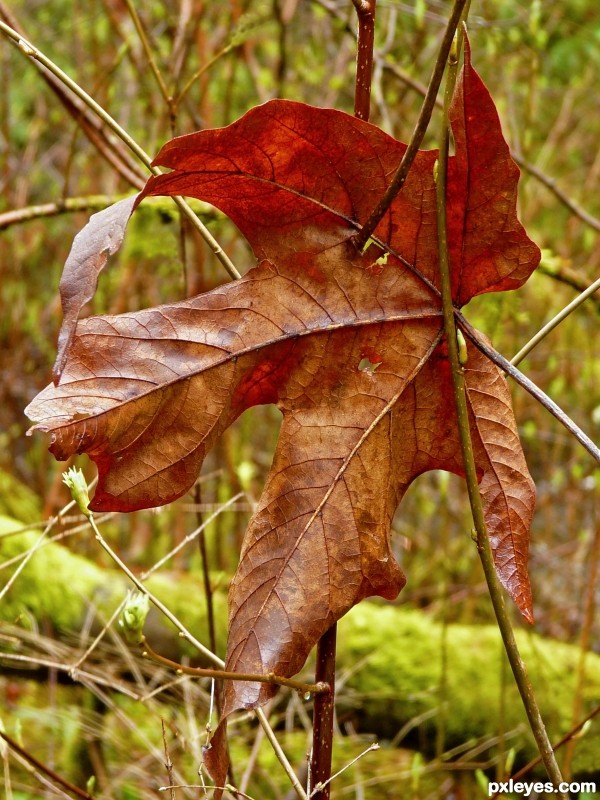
(541, 63)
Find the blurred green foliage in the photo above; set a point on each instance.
(541, 62)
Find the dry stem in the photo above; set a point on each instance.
(484, 548)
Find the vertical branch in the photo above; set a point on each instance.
(322, 746)
(459, 388)
(210, 612)
(419, 132)
(282, 43)
(208, 593)
(365, 11)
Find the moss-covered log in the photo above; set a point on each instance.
(392, 655)
(398, 674)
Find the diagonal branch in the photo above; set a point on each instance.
(54, 777)
(32, 52)
(527, 384)
(419, 131)
(95, 131)
(555, 321)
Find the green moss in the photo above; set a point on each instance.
(59, 585)
(390, 656)
(183, 595)
(18, 500)
(55, 583)
(396, 658)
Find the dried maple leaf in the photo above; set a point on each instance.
(349, 346)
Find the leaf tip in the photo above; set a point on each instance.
(215, 758)
(527, 612)
(61, 359)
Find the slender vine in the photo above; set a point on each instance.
(419, 132)
(484, 548)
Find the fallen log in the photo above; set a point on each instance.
(389, 657)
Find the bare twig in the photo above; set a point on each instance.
(32, 52)
(70, 204)
(183, 631)
(281, 756)
(374, 746)
(484, 547)
(551, 184)
(80, 676)
(320, 687)
(589, 614)
(39, 543)
(54, 777)
(554, 322)
(529, 386)
(208, 590)
(570, 277)
(112, 151)
(571, 734)
(197, 532)
(168, 762)
(545, 180)
(228, 787)
(419, 131)
(365, 11)
(141, 32)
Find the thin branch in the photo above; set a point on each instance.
(54, 777)
(144, 589)
(26, 557)
(545, 180)
(200, 672)
(78, 676)
(36, 55)
(201, 70)
(281, 756)
(323, 715)
(244, 27)
(370, 749)
(365, 11)
(589, 616)
(419, 131)
(208, 589)
(571, 734)
(183, 631)
(484, 547)
(112, 151)
(98, 638)
(534, 390)
(32, 52)
(570, 277)
(141, 32)
(550, 184)
(70, 204)
(168, 762)
(228, 787)
(554, 322)
(191, 536)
